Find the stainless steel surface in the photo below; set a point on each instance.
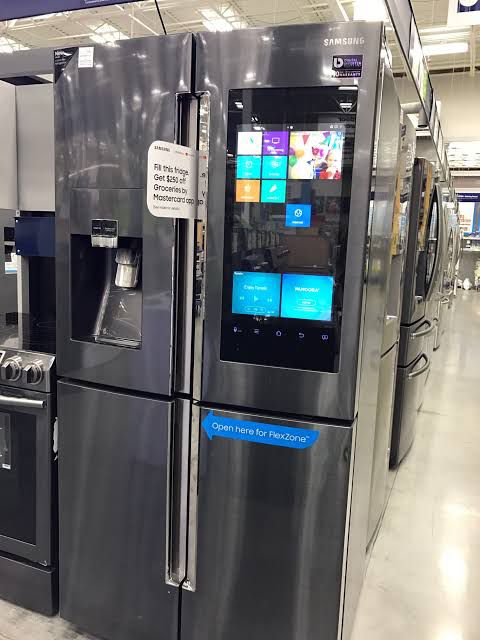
(25, 403)
(409, 393)
(8, 157)
(375, 301)
(383, 432)
(35, 147)
(219, 68)
(106, 118)
(113, 467)
(274, 566)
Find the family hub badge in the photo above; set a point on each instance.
(347, 66)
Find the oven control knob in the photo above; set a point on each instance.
(11, 369)
(33, 373)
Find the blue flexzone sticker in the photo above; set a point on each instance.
(259, 432)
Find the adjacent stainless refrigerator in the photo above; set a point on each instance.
(121, 322)
(422, 277)
(302, 133)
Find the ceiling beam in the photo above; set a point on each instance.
(338, 11)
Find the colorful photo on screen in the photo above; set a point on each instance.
(256, 293)
(315, 155)
(307, 297)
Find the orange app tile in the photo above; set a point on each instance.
(248, 191)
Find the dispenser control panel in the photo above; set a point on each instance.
(289, 167)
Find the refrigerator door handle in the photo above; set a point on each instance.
(423, 332)
(190, 582)
(422, 370)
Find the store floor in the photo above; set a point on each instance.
(423, 580)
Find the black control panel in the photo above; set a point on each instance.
(289, 168)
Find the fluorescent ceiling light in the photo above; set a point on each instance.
(445, 48)
(107, 34)
(225, 19)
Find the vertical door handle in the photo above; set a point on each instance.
(190, 582)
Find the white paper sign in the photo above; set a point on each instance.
(172, 180)
(85, 57)
(202, 185)
(463, 12)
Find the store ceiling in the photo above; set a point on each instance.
(140, 19)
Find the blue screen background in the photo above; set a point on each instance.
(307, 297)
(256, 293)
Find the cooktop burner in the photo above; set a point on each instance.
(26, 333)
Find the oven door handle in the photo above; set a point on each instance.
(24, 403)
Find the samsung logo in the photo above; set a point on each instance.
(159, 148)
(335, 42)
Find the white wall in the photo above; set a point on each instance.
(459, 94)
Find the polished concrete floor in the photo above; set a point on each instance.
(423, 580)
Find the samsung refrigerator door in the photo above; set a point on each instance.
(290, 170)
(269, 516)
(114, 486)
(116, 262)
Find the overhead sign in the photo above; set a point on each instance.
(10, 9)
(463, 12)
(259, 432)
(172, 180)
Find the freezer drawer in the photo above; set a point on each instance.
(412, 341)
(409, 392)
(271, 525)
(113, 466)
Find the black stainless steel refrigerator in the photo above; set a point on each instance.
(422, 272)
(302, 138)
(123, 399)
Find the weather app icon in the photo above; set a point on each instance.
(298, 215)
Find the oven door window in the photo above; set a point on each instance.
(18, 476)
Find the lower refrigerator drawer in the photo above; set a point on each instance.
(113, 482)
(409, 390)
(271, 518)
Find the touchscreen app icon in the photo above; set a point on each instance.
(275, 143)
(248, 191)
(298, 215)
(249, 143)
(274, 190)
(307, 297)
(249, 167)
(274, 167)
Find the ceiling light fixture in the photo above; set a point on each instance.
(445, 49)
(370, 10)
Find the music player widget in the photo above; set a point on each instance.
(256, 294)
(306, 297)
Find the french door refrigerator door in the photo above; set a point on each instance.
(268, 528)
(114, 471)
(115, 260)
(291, 140)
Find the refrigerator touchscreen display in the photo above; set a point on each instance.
(288, 180)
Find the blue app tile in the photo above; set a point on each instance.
(256, 294)
(248, 167)
(307, 297)
(273, 190)
(298, 215)
(274, 167)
